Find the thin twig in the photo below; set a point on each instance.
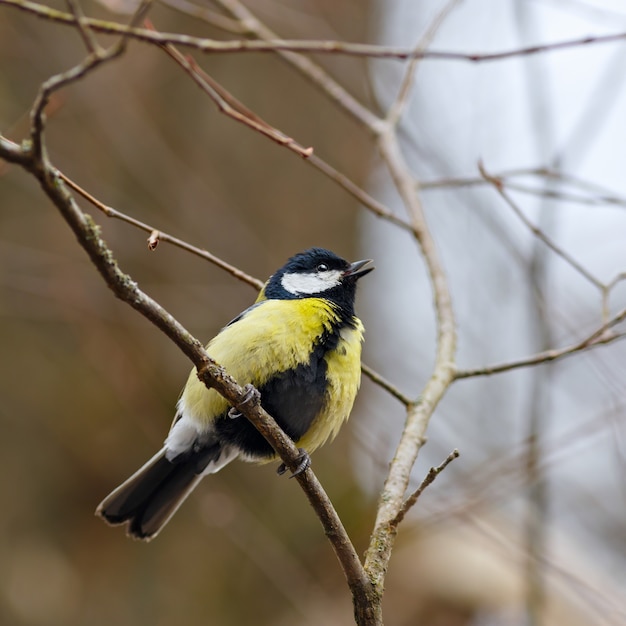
(390, 388)
(597, 338)
(12, 152)
(38, 118)
(89, 39)
(397, 108)
(602, 198)
(499, 187)
(207, 15)
(602, 194)
(162, 236)
(316, 46)
(433, 472)
(606, 292)
(58, 81)
(230, 106)
(369, 202)
(315, 73)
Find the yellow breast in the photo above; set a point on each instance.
(343, 375)
(272, 337)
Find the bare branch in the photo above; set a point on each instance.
(45, 91)
(12, 152)
(207, 15)
(163, 236)
(89, 39)
(397, 108)
(56, 82)
(379, 380)
(499, 187)
(232, 107)
(370, 203)
(600, 197)
(597, 338)
(433, 472)
(617, 279)
(316, 46)
(418, 414)
(316, 74)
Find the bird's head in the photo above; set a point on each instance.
(317, 273)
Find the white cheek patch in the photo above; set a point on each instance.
(311, 283)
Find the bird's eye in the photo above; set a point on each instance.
(322, 267)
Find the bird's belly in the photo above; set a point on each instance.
(294, 398)
(310, 402)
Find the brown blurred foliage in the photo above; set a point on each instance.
(88, 387)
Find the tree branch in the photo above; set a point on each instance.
(390, 388)
(600, 197)
(157, 235)
(597, 338)
(433, 472)
(229, 105)
(418, 413)
(399, 105)
(499, 187)
(316, 46)
(96, 57)
(315, 73)
(89, 39)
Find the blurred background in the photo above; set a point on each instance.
(528, 526)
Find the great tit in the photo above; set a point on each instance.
(299, 344)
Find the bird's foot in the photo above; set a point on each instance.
(304, 462)
(251, 397)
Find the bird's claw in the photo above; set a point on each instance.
(304, 462)
(251, 397)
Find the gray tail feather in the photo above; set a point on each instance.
(149, 498)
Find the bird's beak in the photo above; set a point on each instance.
(358, 269)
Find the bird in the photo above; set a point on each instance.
(299, 346)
